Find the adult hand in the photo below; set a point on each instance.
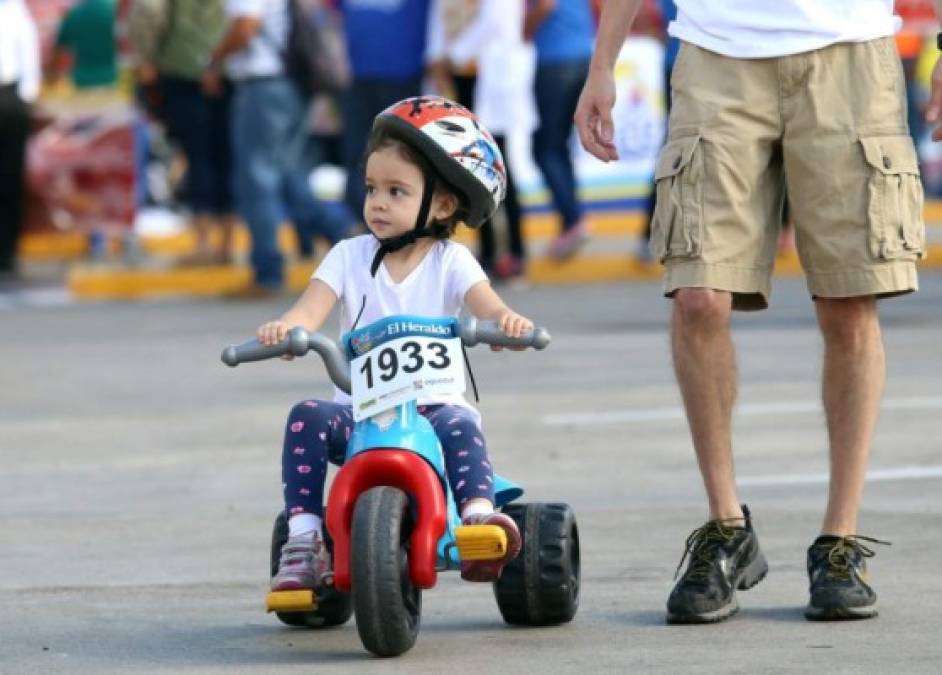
(594, 114)
(146, 73)
(212, 82)
(934, 109)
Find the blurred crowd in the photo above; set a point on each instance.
(208, 94)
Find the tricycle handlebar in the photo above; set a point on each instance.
(475, 332)
(299, 342)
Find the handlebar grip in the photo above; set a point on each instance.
(296, 343)
(475, 332)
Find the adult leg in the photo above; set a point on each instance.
(14, 127)
(512, 206)
(705, 365)
(260, 126)
(852, 384)
(557, 89)
(188, 117)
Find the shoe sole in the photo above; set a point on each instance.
(840, 613)
(750, 577)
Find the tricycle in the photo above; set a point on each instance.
(392, 523)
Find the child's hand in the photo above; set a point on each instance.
(273, 332)
(513, 325)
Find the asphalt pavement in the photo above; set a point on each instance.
(139, 478)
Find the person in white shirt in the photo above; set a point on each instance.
(430, 164)
(503, 100)
(808, 94)
(19, 86)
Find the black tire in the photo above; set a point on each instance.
(540, 587)
(388, 606)
(334, 607)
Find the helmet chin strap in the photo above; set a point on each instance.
(391, 244)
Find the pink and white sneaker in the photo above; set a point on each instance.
(490, 570)
(305, 563)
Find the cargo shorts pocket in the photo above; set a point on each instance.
(677, 226)
(895, 196)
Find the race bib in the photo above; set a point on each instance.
(401, 358)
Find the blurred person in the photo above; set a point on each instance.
(448, 20)
(19, 86)
(269, 129)
(502, 100)
(384, 70)
(173, 40)
(809, 95)
(563, 31)
(86, 47)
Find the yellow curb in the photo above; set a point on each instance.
(70, 245)
(103, 282)
(543, 226)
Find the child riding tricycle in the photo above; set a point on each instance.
(417, 492)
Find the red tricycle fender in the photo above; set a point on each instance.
(396, 468)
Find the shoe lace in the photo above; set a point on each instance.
(838, 553)
(701, 545)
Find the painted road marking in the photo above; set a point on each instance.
(873, 476)
(667, 413)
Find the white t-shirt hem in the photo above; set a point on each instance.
(786, 45)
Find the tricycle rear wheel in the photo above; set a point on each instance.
(540, 587)
(334, 607)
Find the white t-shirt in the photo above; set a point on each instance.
(19, 49)
(748, 29)
(261, 57)
(436, 287)
(505, 63)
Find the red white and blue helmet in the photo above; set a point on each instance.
(457, 145)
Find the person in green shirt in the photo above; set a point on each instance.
(87, 36)
(173, 41)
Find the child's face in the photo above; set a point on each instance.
(394, 194)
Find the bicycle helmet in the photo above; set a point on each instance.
(463, 153)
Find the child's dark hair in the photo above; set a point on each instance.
(442, 228)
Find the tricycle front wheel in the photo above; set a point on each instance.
(387, 604)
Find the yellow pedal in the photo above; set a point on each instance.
(481, 542)
(291, 601)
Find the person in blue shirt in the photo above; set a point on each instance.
(386, 46)
(563, 32)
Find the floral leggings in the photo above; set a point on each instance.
(318, 431)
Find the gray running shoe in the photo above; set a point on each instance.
(839, 583)
(723, 559)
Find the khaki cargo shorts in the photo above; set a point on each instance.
(828, 124)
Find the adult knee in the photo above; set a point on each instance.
(848, 322)
(702, 307)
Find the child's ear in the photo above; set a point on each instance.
(445, 205)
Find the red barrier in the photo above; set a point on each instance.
(395, 468)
